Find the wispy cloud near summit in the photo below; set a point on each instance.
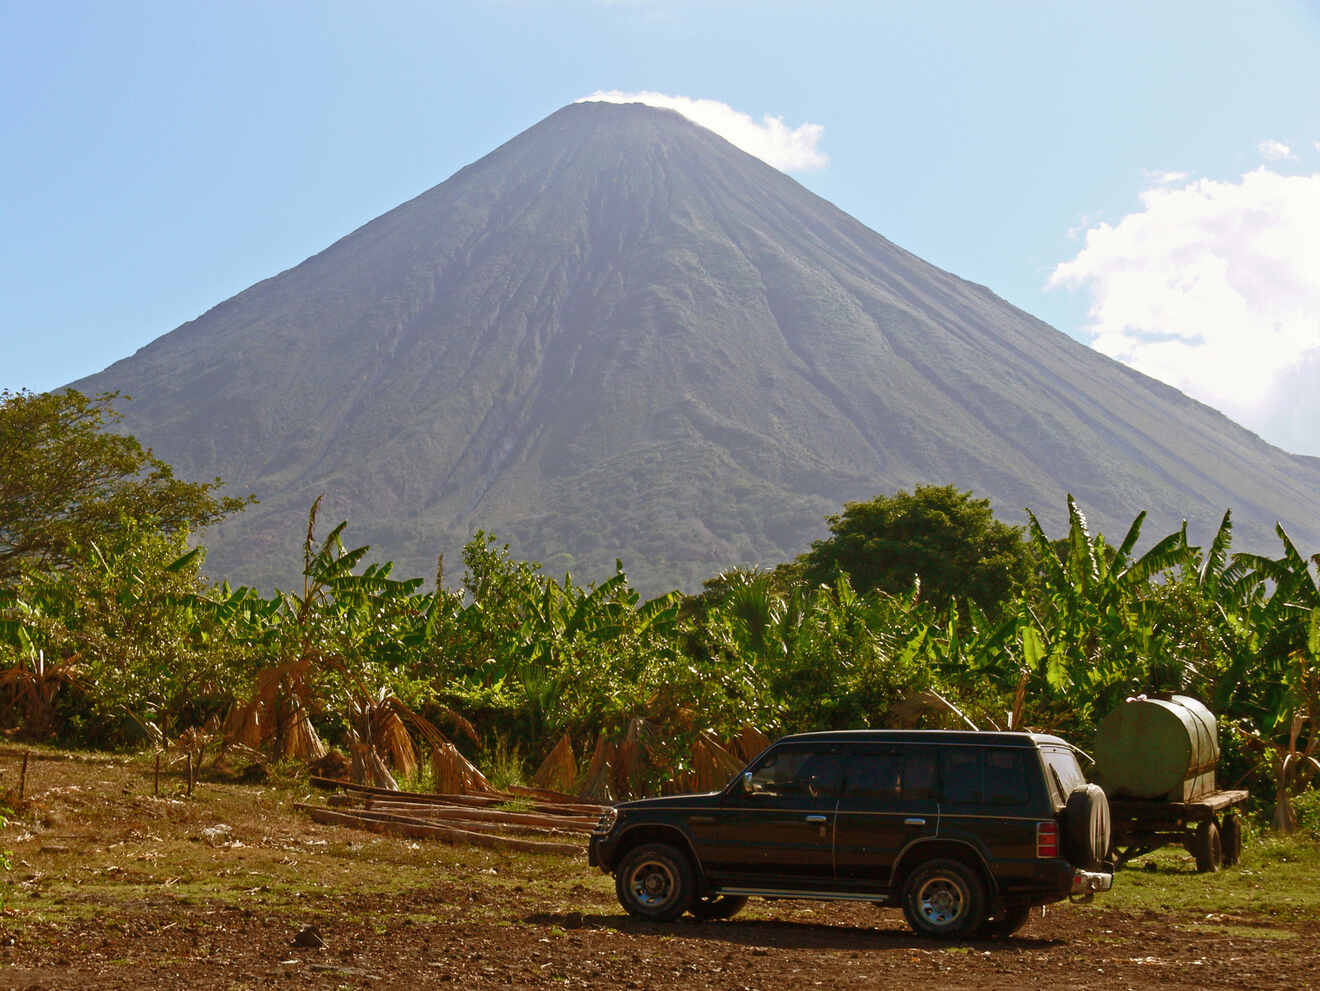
(792, 149)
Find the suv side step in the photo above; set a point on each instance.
(833, 896)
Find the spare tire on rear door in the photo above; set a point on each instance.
(1086, 830)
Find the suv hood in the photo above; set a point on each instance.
(669, 802)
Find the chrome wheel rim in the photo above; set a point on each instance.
(652, 883)
(941, 902)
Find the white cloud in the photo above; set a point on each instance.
(1274, 151)
(1164, 178)
(792, 149)
(1214, 287)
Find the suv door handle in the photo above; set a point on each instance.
(916, 821)
(818, 818)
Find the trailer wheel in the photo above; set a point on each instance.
(1208, 848)
(1231, 839)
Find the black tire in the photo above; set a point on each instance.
(713, 907)
(1087, 830)
(1208, 848)
(944, 899)
(1003, 924)
(655, 882)
(1231, 839)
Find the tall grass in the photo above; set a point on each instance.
(503, 763)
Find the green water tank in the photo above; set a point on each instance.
(1161, 748)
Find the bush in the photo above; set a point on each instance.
(1307, 807)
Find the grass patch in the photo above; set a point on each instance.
(1277, 876)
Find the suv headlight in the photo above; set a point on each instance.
(606, 822)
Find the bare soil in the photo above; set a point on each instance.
(114, 887)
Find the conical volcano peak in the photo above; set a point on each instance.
(619, 336)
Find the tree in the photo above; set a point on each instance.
(66, 482)
(936, 534)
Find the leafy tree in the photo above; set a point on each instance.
(936, 534)
(66, 482)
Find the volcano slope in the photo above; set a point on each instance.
(619, 336)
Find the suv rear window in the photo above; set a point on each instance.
(1064, 772)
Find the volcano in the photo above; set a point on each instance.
(618, 336)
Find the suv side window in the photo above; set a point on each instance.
(1005, 777)
(961, 773)
(985, 776)
(799, 773)
(920, 775)
(873, 778)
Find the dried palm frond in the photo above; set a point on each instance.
(558, 772)
(300, 740)
(390, 738)
(749, 743)
(712, 765)
(600, 773)
(454, 774)
(368, 765)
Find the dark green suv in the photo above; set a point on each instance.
(966, 831)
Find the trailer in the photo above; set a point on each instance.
(1156, 757)
(1207, 828)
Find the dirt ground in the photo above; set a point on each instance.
(115, 887)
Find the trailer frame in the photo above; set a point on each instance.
(1208, 828)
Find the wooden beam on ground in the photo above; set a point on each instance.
(482, 800)
(444, 834)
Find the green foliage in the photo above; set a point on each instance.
(1307, 807)
(66, 482)
(503, 763)
(125, 637)
(938, 535)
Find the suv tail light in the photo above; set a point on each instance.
(1047, 840)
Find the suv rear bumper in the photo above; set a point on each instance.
(1087, 883)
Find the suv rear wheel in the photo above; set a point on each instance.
(655, 882)
(944, 899)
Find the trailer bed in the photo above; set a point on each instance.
(1207, 828)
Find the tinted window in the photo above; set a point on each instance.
(1065, 774)
(962, 776)
(977, 776)
(798, 774)
(1004, 777)
(873, 778)
(919, 776)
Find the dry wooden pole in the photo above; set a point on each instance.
(22, 775)
(492, 798)
(155, 781)
(428, 831)
(190, 772)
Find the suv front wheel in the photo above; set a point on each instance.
(655, 882)
(944, 899)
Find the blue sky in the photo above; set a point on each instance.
(1143, 176)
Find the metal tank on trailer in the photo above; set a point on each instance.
(1155, 757)
(1158, 749)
